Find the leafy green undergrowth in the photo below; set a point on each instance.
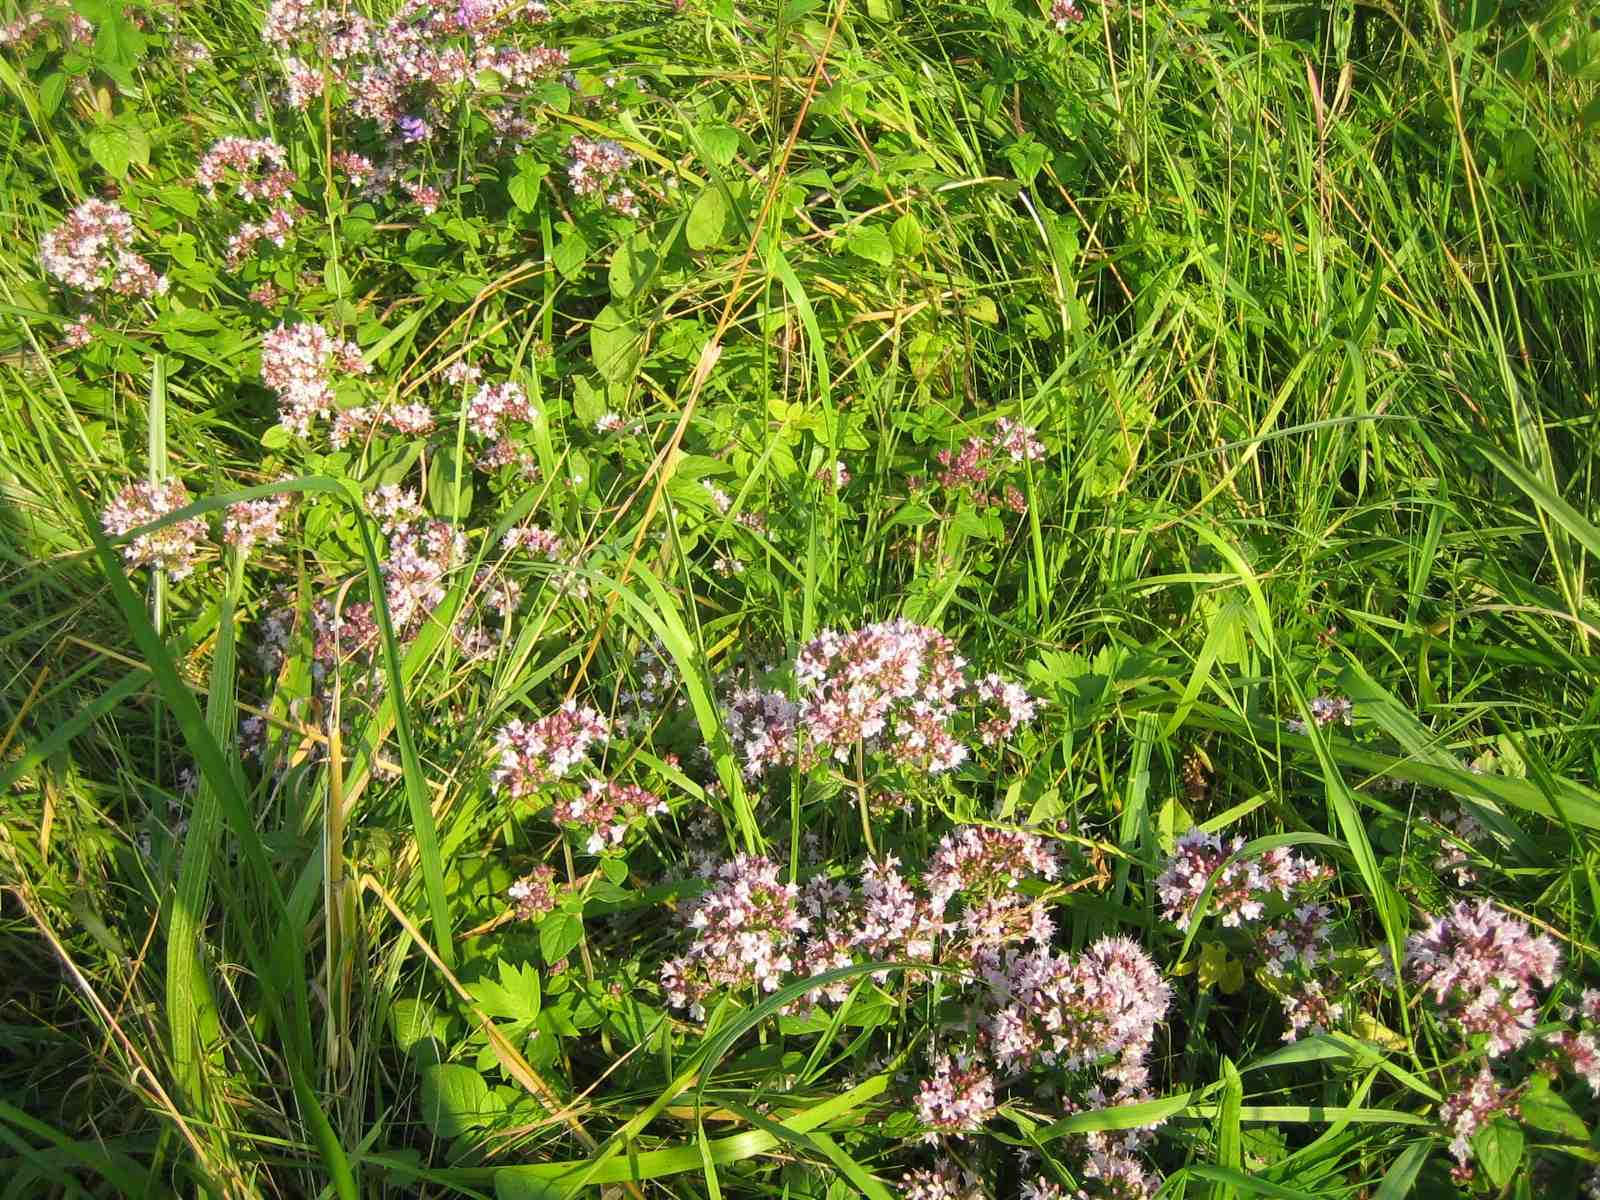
(807, 600)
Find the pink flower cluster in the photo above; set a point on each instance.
(986, 860)
(29, 27)
(259, 166)
(1481, 965)
(945, 1180)
(894, 681)
(889, 686)
(609, 811)
(534, 895)
(1241, 887)
(171, 549)
(743, 927)
(1064, 13)
(495, 405)
(421, 555)
(1326, 710)
(1469, 1109)
(980, 460)
(532, 754)
(298, 362)
(408, 420)
(1078, 1012)
(958, 1097)
(92, 250)
(535, 540)
(403, 73)
(761, 727)
(255, 522)
(350, 635)
(1017, 708)
(1307, 1009)
(592, 169)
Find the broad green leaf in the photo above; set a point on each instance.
(872, 245)
(109, 147)
(524, 186)
(721, 143)
(559, 935)
(1497, 1147)
(906, 236)
(614, 341)
(456, 1099)
(1544, 1109)
(570, 254)
(708, 219)
(415, 1021)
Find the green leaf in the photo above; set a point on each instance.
(524, 185)
(614, 341)
(1026, 157)
(1498, 1148)
(415, 1021)
(707, 219)
(52, 91)
(571, 252)
(444, 474)
(1544, 1109)
(872, 245)
(456, 1099)
(559, 935)
(1401, 1176)
(631, 268)
(721, 143)
(906, 236)
(109, 147)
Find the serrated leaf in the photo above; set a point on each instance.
(872, 245)
(614, 342)
(571, 252)
(456, 1099)
(1498, 1148)
(707, 219)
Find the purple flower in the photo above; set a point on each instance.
(413, 129)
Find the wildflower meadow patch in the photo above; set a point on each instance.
(799, 599)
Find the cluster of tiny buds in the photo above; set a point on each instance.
(1481, 965)
(608, 811)
(534, 895)
(593, 167)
